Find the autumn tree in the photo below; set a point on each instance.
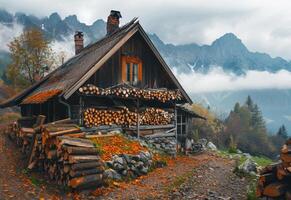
(31, 56)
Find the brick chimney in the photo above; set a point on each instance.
(79, 41)
(113, 21)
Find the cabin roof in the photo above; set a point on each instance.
(76, 71)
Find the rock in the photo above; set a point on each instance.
(248, 166)
(239, 151)
(211, 146)
(247, 155)
(126, 158)
(119, 160)
(203, 141)
(117, 166)
(144, 170)
(139, 165)
(124, 172)
(112, 174)
(109, 164)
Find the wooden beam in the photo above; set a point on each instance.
(137, 124)
(176, 134)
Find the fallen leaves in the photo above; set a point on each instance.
(117, 144)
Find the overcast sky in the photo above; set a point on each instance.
(263, 25)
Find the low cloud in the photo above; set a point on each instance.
(8, 33)
(217, 81)
(288, 117)
(64, 48)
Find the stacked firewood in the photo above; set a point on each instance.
(66, 156)
(156, 116)
(126, 91)
(97, 117)
(124, 117)
(74, 162)
(275, 179)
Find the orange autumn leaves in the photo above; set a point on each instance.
(41, 97)
(117, 144)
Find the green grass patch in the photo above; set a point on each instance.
(35, 181)
(260, 160)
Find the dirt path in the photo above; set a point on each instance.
(15, 182)
(204, 176)
(194, 177)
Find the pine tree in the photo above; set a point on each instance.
(257, 120)
(279, 132)
(282, 132)
(250, 103)
(236, 108)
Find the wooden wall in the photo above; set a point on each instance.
(153, 73)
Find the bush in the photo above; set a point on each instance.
(9, 117)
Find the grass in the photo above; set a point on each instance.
(260, 160)
(9, 117)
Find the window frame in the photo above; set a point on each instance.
(131, 61)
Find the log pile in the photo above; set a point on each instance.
(275, 180)
(124, 117)
(62, 152)
(126, 91)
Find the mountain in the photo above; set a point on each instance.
(227, 51)
(54, 26)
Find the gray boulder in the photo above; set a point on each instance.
(247, 155)
(112, 174)
(211, 146)
(203, 141)
(249, 166)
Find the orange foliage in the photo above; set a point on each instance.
(41, 97)
(117, 144)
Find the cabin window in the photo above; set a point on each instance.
(128, 72)
(131, 70)
(181, 124)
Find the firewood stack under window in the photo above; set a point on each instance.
(275, 179)
(125, 91)
(124, 117)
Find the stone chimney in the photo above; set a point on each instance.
(79, 42)
(113, 21)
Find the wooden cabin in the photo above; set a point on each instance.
(125, 56)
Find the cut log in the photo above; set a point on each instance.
(274, 190)
(281, 172)
(88, 165)
(96, 170)
(285, 157)
(266, 179)
(75, 142)
(82, 151)
(83, 159)
(100, 136)
(86, 181)
(52, 154)
(58, 133)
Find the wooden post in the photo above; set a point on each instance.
(176, 133)
(80, 110)
(137, 124)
